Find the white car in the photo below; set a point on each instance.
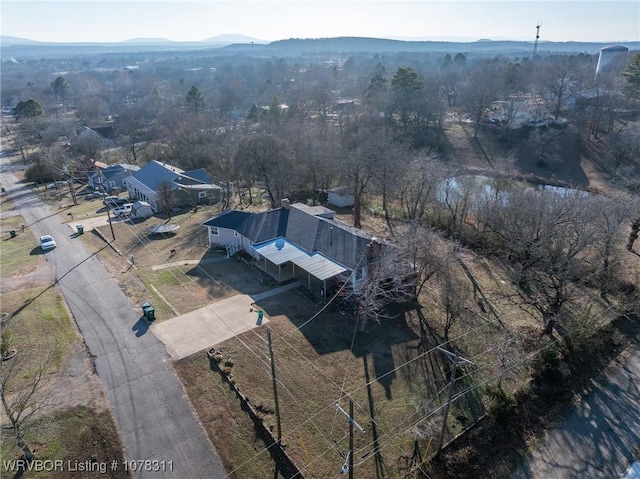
(47, 242)
(124, 210)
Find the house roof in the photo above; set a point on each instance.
(314, 234)
(109, 171)
(341, 190)
(279, 251)
(154, 173)
(230, 219)
(140, 204)
(337, 240)
(314, 210)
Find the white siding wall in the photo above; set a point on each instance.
(141, 192)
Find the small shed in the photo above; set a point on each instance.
(341, 197)
(141, 209)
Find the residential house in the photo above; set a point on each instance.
(112, 177)
(297, 241)
(105, 134)
(191, 187)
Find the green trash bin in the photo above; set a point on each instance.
(12, 233)
(148, 311)
(260, 315)
(80, 229)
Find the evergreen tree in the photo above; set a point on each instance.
(195, 100)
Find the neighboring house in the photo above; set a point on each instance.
(112, 177)
(191, 187)
(296, 241)
(141, 209)
(105, 134)
(340, 197)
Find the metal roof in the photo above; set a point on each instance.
(279, 251)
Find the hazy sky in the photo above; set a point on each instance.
(117, 20)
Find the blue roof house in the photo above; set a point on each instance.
(191, 187)
(112, 177)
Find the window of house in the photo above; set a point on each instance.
(235, 233)
(214, 230)
(202, 194)
(113, 184)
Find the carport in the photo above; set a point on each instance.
(284, 260)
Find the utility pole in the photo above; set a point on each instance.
(275, 384)
(113, 235)
(452, 381)
(351, 438)
(71, 188)
(348, 463)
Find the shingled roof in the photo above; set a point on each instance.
(336, 240)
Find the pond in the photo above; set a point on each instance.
(482, 187)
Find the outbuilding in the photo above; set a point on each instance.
(141, 209)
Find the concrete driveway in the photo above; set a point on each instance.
(201, 329)
(205, 327)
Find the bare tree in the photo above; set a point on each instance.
(545, 234)
(455, 295)
(165, 197)
(266, 158)
(427, 251)
(543, 143)
(418, 184)
(609, 216)
(388, 280)
(25, 390)
(478, 92)
(558, 80)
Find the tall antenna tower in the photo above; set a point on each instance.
(535, 45)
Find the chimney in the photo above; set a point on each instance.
(284, 202)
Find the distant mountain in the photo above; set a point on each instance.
(146, 41)
(482, 47)
(20, 48)
(230, 38)
(6, 41)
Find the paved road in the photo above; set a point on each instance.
(153, 414)
(600, 438)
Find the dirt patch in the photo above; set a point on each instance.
(38, 275)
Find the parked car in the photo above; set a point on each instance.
(91, 195)
(124, 210)
(112, 201)
(51, 186)
(47, 242)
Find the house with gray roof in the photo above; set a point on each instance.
(297, 241)
(112, 177)
(191, 187)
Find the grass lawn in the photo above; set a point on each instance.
(389, 372)
(21, 254)
(76, 436)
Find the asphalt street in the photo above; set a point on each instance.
(153, 414)
(600, 438)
